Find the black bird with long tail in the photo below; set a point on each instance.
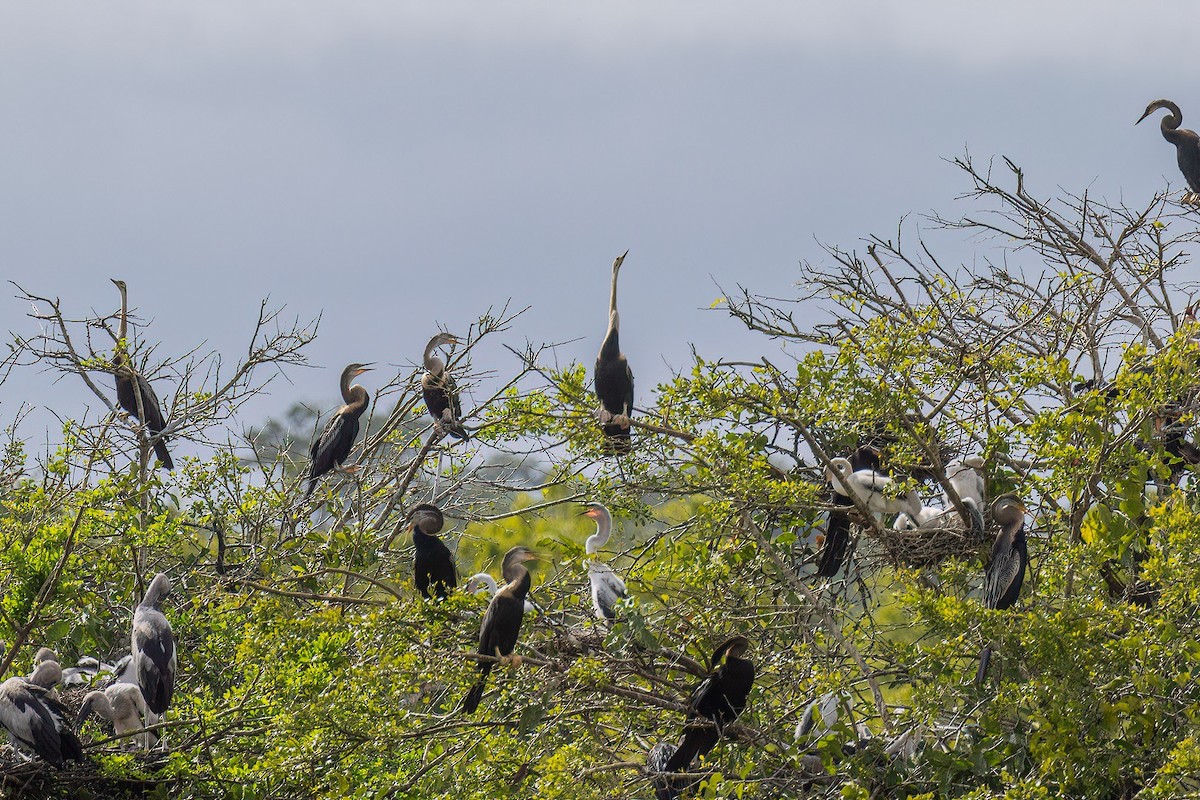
(502, 622)
(1006, 570)
(715, 703)
(613, 378)
(333, 446)
(135, 395)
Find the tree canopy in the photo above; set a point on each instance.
(1060, 351)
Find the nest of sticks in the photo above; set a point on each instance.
(924, 547)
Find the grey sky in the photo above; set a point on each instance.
(400, 165)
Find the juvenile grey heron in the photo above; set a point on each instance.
(36, 724)
(123, 705)
(153, 648)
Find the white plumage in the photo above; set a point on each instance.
(607, 587)
(121, 704)
(874, 489)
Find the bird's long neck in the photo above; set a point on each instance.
(614, 319)
(155, 594)
(355, 396)
(98, 703)
(433, 364)
(422, 536)
(519, 582)
(1172, 120)
(600, 537)
(119, 357)
(1170, 124)
(1015, 531)
(123, 322)
(514, 572)
(612, 296)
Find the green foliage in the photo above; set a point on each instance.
(309, 667)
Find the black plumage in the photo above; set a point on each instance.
(665, 786)
(439, 390)
(1187, 144)
(613, 378)
(135, 395)
(837, 529)
(1006, 569)
(433, 563)
(334, 444)
(716, 702)
(502, 622)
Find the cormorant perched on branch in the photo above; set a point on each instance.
(135, 395)
(1006, 569)
(333, 446)
(613, 378)
(715, 703)
(1187, 145)
(439, 390)
(607, 586)
(502, 622)
(433, 564)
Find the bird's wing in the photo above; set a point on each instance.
(1002, 572)
(501, 625)
(153, 408)
(629, 384)
(335, 441)
(26, 718)
(607, 590)
(155, 643)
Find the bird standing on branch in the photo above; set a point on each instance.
(135, 395)
(613, 378)
(1187, 146)
(333, 446)
(439, 390)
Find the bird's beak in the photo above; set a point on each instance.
(1142, 117)
(365, 368)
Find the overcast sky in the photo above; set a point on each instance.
(401, 166)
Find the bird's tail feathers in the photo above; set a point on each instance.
(160, 450)
(471, 701)
(985, 658)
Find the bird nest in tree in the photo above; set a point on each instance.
(922, 547)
